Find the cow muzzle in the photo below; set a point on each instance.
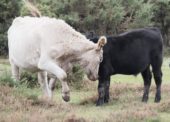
(92, 77)
(66, 96)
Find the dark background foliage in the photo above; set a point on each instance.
(93, 17)
(9, 9)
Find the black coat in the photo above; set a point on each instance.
(130, 53)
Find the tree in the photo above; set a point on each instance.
(142, 16)
(99, 16)
(8, 10)
(162, 18)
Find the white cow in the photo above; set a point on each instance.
(49, 45)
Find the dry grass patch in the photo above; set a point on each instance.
(16, 107)
(125, 106)
(73, 118)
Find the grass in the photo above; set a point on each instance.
(22, 104)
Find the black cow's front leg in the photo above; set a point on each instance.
(107, 96)
(147, 76)
(101, 93)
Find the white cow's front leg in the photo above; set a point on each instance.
(42, 79)
(15, 71)
(51, 67)
(65, 91)
(65, 88)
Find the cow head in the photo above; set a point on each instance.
(92, 58)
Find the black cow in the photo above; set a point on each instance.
(131, 53)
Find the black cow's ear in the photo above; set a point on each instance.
(101, 42)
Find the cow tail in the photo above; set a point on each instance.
(33, 10)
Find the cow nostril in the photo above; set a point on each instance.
(66, 98)
(93, 78)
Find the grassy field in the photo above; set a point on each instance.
(21, 104)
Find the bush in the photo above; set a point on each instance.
(5, 79)
(75, 78)
(9, 9)
(3, 44)
(167, 51)
(143, 16)
(29, 79)
(102, 17)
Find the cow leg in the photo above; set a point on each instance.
(157, 72)
(52, 83)
(147, 76)
(158, 81)
(107, 96)
(65, 91)
(101, 92)
(15, 72)
(42, 79)
(51, 67)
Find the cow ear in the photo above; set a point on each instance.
(101, 42)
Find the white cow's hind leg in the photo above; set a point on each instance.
(52, 83)
(15, 72)
(42, 79)
(51, 67)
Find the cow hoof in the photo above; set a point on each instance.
(106, 100)
(66, 98)
(144, 100)
(157, 99)
(100, 103)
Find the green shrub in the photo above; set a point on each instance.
(5, 79)
(75, 77)
(167, 51)
(3, 44)
(30, 79)
(9, 9)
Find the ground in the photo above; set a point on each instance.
(22, 104)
